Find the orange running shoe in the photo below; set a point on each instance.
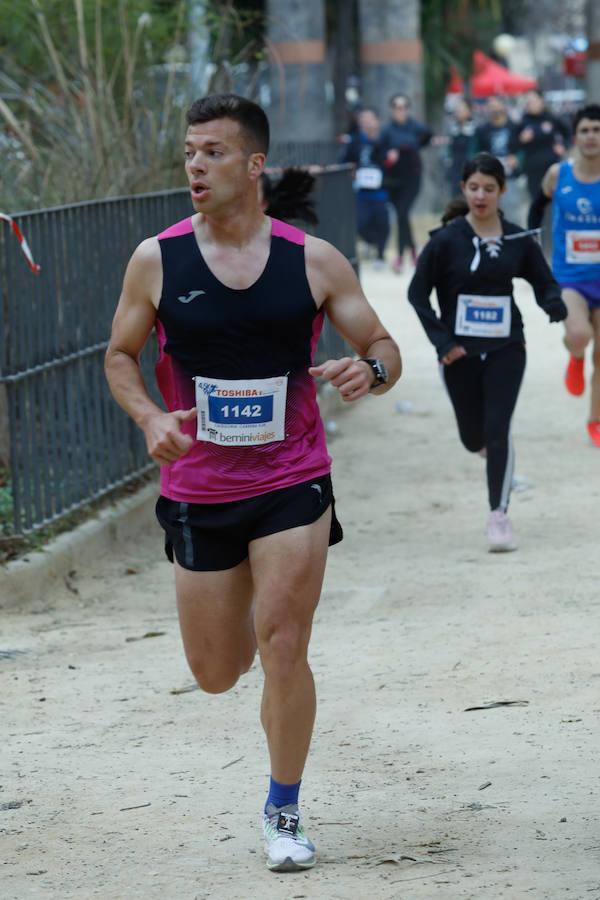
(594, 432)
(574, 377)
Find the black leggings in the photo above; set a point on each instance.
(484, 391)
(402, 197)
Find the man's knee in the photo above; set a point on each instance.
(281, 648)
(218, 676)
(577, 334)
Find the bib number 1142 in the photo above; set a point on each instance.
(258, 411)
(241, 413)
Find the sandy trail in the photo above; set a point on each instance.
(114, 786)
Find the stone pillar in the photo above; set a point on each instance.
(391, 53)
(300, 109)
(592, 66)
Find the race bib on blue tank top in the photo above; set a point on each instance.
(241, 413)
(582, 246)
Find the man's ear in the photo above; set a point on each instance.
(256, 165)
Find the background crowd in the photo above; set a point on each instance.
(522, 132)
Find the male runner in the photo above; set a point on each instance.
(246, 502)
(574, 188)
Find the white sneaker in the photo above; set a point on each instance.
(287, 847)
(499, 532)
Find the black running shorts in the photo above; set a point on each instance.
(206, 537)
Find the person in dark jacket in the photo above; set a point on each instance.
(461, 143)
(365, 152)
(471, 262)
(498, 136)
(402, 138)
(543, 139)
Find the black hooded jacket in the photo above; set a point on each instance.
(456, 261)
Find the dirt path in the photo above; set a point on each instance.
(115, 786)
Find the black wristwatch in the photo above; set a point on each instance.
(379, 371)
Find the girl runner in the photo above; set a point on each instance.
(471, 262)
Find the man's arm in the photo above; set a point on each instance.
(132, 324)
(545, 195)
(335, 286)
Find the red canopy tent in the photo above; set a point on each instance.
(489, 77)
(456, 85)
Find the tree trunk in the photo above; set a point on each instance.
(343, 59)
(199, 47)
(391, 52)
(299, 108)
(4, 429)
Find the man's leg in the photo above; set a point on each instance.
(578, 333)
(215, 616)
(381, 223)
(287, 570)
(594, 423)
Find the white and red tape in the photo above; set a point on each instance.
(24, 245)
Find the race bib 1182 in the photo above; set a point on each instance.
(483, 316)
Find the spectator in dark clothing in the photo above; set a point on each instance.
(461, 146)
(402, 138)
(543, 139)
(499, 136)
(366, 153)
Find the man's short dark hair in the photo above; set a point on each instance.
(591, 111)
(250, 117)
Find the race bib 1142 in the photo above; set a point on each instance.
(241, 413)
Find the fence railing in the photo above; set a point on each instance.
(69, 442)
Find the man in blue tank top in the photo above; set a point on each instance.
(574, 188)
(237, 299)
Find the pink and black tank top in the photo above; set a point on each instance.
(269, 329)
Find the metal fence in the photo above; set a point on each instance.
(69, 442)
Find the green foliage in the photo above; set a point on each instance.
(451, 30)
(97, 116)
(93, 93)
(24, 49)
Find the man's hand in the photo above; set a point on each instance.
(165, 440)
(352, 377)
(453, 354)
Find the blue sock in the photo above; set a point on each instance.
(282, 794)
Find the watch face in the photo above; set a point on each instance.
(380, 370)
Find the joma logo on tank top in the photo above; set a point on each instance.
(189, 297)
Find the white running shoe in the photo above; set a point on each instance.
(287, 847)
(499, 532)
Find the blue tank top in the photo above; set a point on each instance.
(575, 227)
